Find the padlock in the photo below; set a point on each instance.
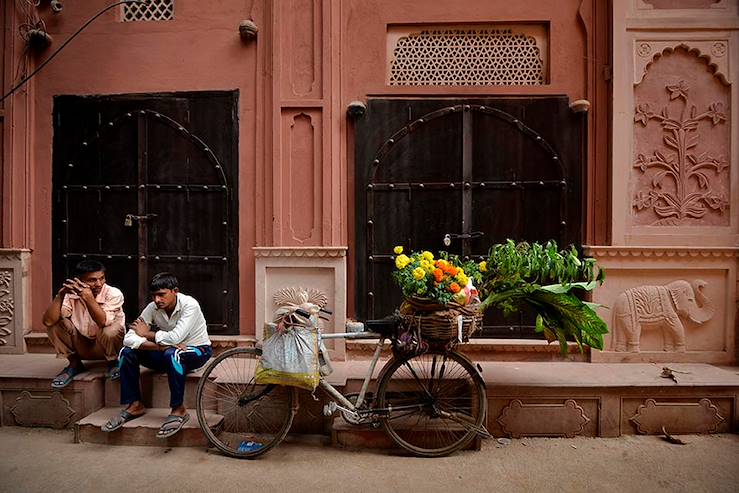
(128, 221)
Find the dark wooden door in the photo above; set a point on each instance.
(475, 172)
(147, 183)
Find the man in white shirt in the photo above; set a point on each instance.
(178, 344)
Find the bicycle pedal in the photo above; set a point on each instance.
(330, 409)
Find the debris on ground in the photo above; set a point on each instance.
(668, 372)
(503, 442)
(573, 445)
(671, 438)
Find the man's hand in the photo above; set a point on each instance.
(83, 290)
(141, 328)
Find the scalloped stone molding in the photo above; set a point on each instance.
(567, 419)
(42, 410)
(685, 417)
(715, 52)
(262, 252)
(661, 252)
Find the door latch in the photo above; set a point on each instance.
(128, 221)
(461, 236)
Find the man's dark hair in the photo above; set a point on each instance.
(163, 280)
(87, 266)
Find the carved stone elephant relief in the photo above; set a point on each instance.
(661, 307)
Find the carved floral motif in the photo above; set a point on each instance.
(6, 307)
(691, 172)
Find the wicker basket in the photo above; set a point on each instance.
(438, 323)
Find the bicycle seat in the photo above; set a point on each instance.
(385, 326)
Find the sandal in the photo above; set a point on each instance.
(117, 421)
(66, 376)
(113, 372)
(172, 424)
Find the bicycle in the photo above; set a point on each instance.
(431, 403)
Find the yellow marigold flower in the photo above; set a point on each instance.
(401, 261)
(483, 266)
(462, 278)
(398, 250)
(427, 255)
(418, 273)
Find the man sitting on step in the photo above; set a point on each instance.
(85, 321)
(178, 344)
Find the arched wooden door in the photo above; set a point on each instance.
(147, 183)
(475, 172)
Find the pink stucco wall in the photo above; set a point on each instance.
(310, 59)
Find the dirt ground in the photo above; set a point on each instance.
(47, 460)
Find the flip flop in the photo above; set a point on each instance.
(113, 372)
(117, 421)
(65, 377)
(172, 424)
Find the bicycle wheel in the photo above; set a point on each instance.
(433, 404)
(251, 418)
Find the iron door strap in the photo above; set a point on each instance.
(461, 236)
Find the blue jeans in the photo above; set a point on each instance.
(174, 362)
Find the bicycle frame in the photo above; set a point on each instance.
(331, 390)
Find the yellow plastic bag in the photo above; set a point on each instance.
(290, 357)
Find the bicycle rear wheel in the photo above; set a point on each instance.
(434, 403)
(254, 418)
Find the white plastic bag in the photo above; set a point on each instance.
(290, 357)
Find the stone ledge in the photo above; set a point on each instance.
(661, 251)
(339, 251)
(496, 349)
(38, 342)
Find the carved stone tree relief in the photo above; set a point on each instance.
(680, 174)
(6, 306)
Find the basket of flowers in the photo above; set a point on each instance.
(441, 302)
(445, 297)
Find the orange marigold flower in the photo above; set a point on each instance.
(438, 275)
(454, 287)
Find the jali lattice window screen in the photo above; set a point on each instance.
(154, 10)
(467, 56)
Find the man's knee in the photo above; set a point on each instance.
(113, 331)
(62, 327)
(129, 356)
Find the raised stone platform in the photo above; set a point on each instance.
(524, 399)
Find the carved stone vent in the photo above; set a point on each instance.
(467, 57)
(154, 10)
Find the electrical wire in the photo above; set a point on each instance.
(51, 57)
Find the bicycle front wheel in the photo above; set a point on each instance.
(250, 418)
(433, 404)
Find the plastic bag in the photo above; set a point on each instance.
(290, 357)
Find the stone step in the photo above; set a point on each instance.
(155, 389)
(346, 435)
(28, 399)
(142, 430)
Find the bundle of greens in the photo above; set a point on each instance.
(545, 278)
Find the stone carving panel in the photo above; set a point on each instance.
(7, 309)
(660, 307)
(42, 410)
(677, 417)
(302, 178)
(566, 419)
(680, 170)
(301, 48)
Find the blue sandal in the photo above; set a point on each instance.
(65, 377)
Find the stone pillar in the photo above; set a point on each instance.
(14, 321)
(321, 268)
